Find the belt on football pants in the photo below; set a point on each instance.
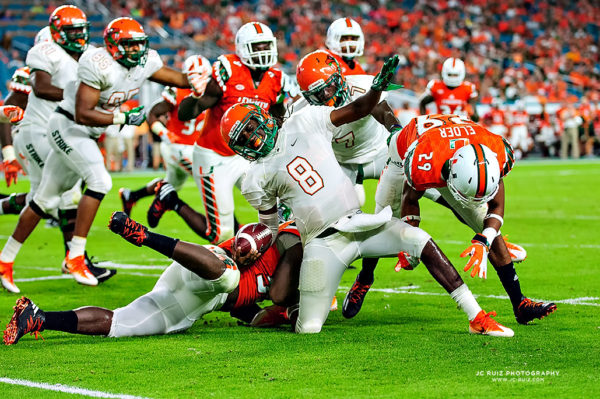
(327, 232)
(65, 113)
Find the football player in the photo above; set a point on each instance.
(176, 147)
(451, 95)
(293, 161)
(345, 41)
(496, 119)
(201, 279)
(106, 77)
(53, 65)
(466, 164)
(519, 138)
(360, 147)
(248, 76)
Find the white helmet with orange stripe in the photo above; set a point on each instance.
(474, 175)
(256, 46)
(345, 38)
(453, 72)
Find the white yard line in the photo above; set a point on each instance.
(68, 389)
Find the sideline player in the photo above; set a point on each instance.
(202, 279)
(176, 147)
(294, 162)
(248, 76)
(106, 78)
(53, 64)
(466, 163)
(345, 41)
(451, 95)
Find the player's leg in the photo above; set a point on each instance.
(129, 197)
(396, 238)
(13, 204)
(323, 264)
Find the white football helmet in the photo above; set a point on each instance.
(474, 175)
(247, 37)
(453, 72)
(44, 35)
(337, 38)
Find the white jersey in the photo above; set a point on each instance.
(360, 141)
(303, 173)
(116, 83)
(53, 59)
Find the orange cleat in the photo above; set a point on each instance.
(79, 270)
(517, 252)
(6, 276)
(484, 324)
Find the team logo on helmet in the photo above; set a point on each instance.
(69, 28)
(474, 175)
(249, 130)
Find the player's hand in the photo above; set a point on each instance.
(249, 259)
(11, 171)
(406, 261)
(478, 251)
(198, 75)
(383, 80)
(136, 116)
(11, 113)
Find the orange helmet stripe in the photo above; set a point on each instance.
(258, 28)
(348, 22)
(453, 62)
(481, 171)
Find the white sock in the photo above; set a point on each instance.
(76, 247)
(466, 301)
(10, 250)
(2, 206)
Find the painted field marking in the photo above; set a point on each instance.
(68, 389)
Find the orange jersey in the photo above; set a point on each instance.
(256, 279)
(182, 132)
(428, 141)
(520, 118)
(347, 70)
(496, 116)
(238, 87)
(451, 100)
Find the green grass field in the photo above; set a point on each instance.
(408, 341)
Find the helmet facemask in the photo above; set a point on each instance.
(254, 136)
(260, 54)
(128, 55)
(345, 38)
(74, 37)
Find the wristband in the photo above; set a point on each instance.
(119, 118)
(395, 127)
(490, 234)
(158, 128)
(411, 218)
(481, 239)
(495, 216)
(8, 153)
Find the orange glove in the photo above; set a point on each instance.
(478, 251)
(406, 261)
(10, 113)
(11, 166)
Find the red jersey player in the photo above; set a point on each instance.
(452, 95)
(345, 41)
(202, 279)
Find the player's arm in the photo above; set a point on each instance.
(269, 217)
(363, 105)
(410, 211)
(384, 114)
(425, 99)
(170, 77)
(495, 214)
(284, 284)
(18, 99)
(86, 114)
(41, 83)
(191, 106)
(158, 117)
(473, 105)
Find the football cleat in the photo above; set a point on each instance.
(354, 299)
(78, 269)
(334, 305)
(529, 310)
(484, 324)
(271, 316)
(164, 200)
(6, 276)
(125, 195)
(28, 318)
(128, 228)
(517, 252)
(102, 274)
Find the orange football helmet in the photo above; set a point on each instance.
(251, 143)
(69, 28)
(320, 78)
(126, 41)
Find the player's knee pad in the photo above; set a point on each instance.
(312, 326)
(228, 280)
(42, 207)
(99, 182)
(414, 240)
(312, 276)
